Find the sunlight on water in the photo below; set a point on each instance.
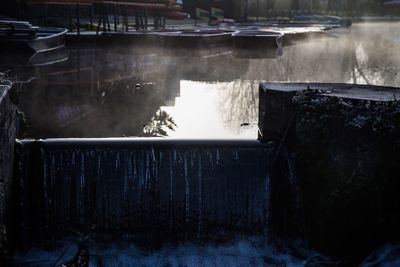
(201, 112)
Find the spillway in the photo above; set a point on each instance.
(144, 189)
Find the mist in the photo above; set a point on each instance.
(114, 92)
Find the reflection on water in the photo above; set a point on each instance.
(217, 110)
(99, 92)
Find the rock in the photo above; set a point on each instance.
(81, 258)
(321, 261)
(388, 255)
(274, 262)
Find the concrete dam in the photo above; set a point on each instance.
(144, 187)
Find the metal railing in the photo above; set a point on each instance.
(110, 15)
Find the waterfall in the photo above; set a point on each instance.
(144, 188)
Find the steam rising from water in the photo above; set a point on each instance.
(119, 93)
(366, 53)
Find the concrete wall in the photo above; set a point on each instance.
(347, 146)
(7, 138)
(156, 189)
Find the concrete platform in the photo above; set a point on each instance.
(278, 108)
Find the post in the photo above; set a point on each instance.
(145, 17)
(19, 9)
(70, 17)
(155, 18)
(115, 17)
(195, 12)
(45, 15)
(108, 21)
(342, 7)
(103, 9)
(246, 10)
(77, 20)
(126, 18)
(91, 17)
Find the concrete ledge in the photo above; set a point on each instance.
(350, 91)
(144, 142)
(279, 103)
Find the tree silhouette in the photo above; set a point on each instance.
(159, 125)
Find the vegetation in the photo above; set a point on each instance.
(159, 126)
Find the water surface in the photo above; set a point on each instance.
(101, 92)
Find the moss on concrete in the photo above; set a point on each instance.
(348, 155)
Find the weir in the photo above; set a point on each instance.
(158, 191)
(144, 189)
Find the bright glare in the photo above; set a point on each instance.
(199, 113)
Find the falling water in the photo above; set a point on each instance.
(143, 189)
(196, 202)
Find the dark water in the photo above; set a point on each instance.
(140, 92)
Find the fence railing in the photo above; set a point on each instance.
(103, 15)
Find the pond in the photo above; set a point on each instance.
(101, 92)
